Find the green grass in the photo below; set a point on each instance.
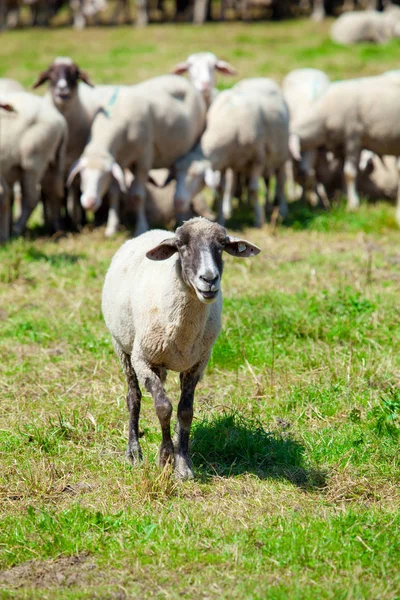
(297, 421)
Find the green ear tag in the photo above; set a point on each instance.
(242, 247)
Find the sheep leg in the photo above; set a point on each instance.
(350, 175)
(152, 377)
(142, 15)
(218, 200)
(138, 193)
(113, 212)
(398, 195)
(5, 212)
(133, 400)
(30, 198)
(229, 187)
(256, 173)
(52, 202)
(189, 380)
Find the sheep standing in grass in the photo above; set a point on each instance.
(354, 115)
(162, 305)
(149, 125)
(74, 96)
(33, 145)
(247, 131)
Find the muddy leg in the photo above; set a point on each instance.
(189, 380)
(152, 380)
(30, 197)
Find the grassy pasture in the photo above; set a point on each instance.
(296, 431)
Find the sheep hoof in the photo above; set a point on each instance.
(166, 454)
(134, 454)
(110, 233)
(183, 470)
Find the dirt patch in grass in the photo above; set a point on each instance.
(66, 571)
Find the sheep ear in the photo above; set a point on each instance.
(240, 248)
(83, 76)
(180, 68)
(295, 146)
(75, 169)
(164, 250)
(42, 78)
(119, 176)
(224, 67)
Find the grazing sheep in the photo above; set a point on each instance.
(166, 316)
(149, 125)
(348, 119)
(33, 138)
(367, 26)
(202, 70)
(247, 131)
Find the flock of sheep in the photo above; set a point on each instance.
(146, 151)
(86, 12)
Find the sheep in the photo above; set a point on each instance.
(318, 8)
(33, 137)
(201, 68)
(166, 316)
(347, 119)
(72, 92)
(247, 131)
(367, 26)
(149, 125)
(301, 88)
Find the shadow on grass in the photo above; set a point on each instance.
(231, 445)
(301, 216)
(56, 260)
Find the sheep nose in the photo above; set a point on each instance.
(88, 203)
(210, 279)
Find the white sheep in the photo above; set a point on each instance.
(166, 316)
(301, 88)
(202, 68)
(33, 144)
(348, 119)
(149, 125)
(367, 26)
(247, 131)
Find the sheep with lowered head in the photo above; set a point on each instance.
(162, 304)
(367, 26)
(348, 119)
